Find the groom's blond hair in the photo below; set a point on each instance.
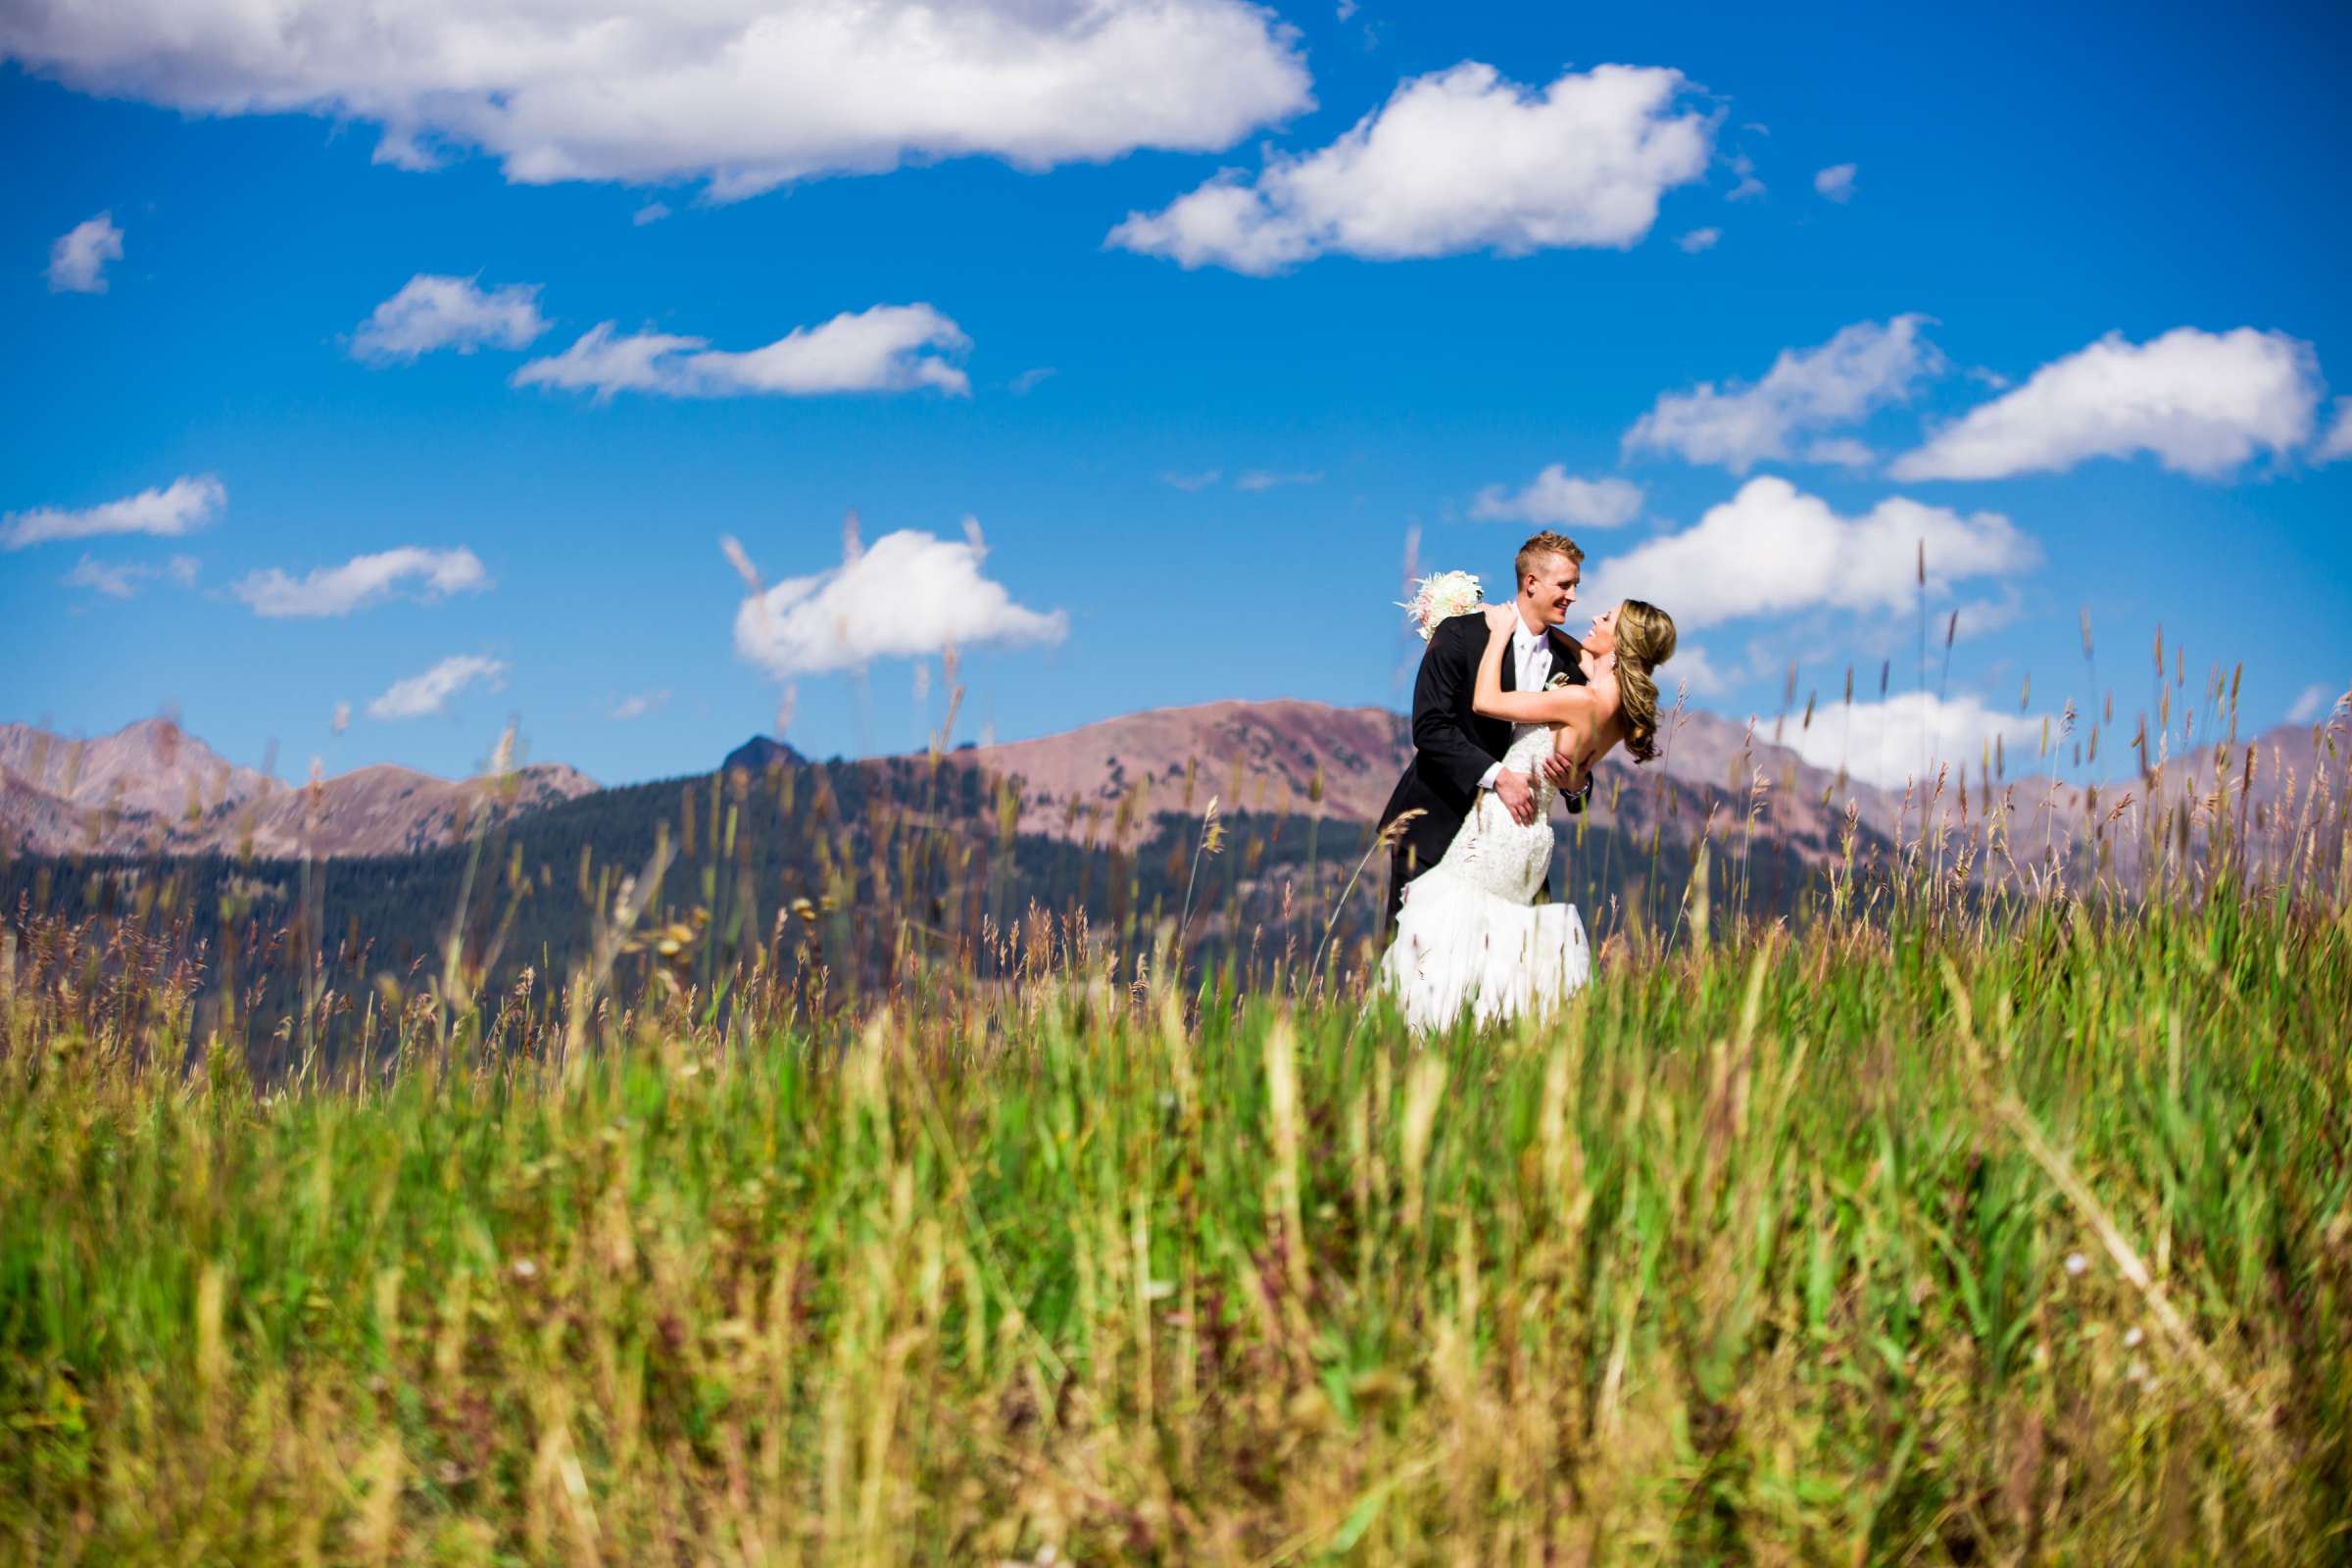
(1532, 554)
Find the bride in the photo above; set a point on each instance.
(1469, 934)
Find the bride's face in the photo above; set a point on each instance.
(1601, 640)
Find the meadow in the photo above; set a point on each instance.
(1945, 1221)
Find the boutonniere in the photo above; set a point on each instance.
(1559, 682)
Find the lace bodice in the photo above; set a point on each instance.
(1497, 853)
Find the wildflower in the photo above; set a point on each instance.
(2132, 1340)
(526, 1269)
(2076, 1263)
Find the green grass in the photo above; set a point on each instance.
(1926, 1242)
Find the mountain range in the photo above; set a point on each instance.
(848, 871)
(149, 789)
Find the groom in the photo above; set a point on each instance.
(1456, 752)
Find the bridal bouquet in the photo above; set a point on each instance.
(1440, 596)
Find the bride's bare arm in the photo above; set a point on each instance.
(1520, 707)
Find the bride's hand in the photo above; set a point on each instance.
(1500, 616)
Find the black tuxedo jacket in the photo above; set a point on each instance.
(1453, 747)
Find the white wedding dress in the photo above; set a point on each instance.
(1470, 935)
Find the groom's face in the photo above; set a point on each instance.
(1550, 589)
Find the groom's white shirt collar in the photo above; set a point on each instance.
(1526, 644)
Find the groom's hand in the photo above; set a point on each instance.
(1517, 794)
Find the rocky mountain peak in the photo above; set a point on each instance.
(761, 753)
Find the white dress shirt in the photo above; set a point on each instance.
(1531, 661)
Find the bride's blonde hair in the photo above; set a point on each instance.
(1645, 641)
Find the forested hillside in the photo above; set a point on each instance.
(832, 873)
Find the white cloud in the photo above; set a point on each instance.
(1457, 161)
(1265, 479)
(2337, 442)
(114, 581)
(1690, 671)
(1774, 549)
(1699, 239)
(604, 364)
(1908, 736)
(1864, 367)
(77, 260)
(650, 212)
(1842, 452)
(421, 696)
(1029, 380)
(1554, 499)
(341, 718)
(1980, 617)
(907, 596)
(1194, 482)
(639, 705)
(2201, 402)
(361, 580)
(431, 313)
(746, 94)
(889, 348)
(1749, 188)
(183, 505)
(2312, 702)
(125, 581)
(1836, 182)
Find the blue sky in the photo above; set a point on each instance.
(2076, 316)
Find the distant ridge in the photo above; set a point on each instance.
(1269, 757)
(761, 753)
(151, 789)
(1714, 776)
(1253, 755)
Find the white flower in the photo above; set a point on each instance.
(2076, 1263)
(2132, 1340)
(1439, 596)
